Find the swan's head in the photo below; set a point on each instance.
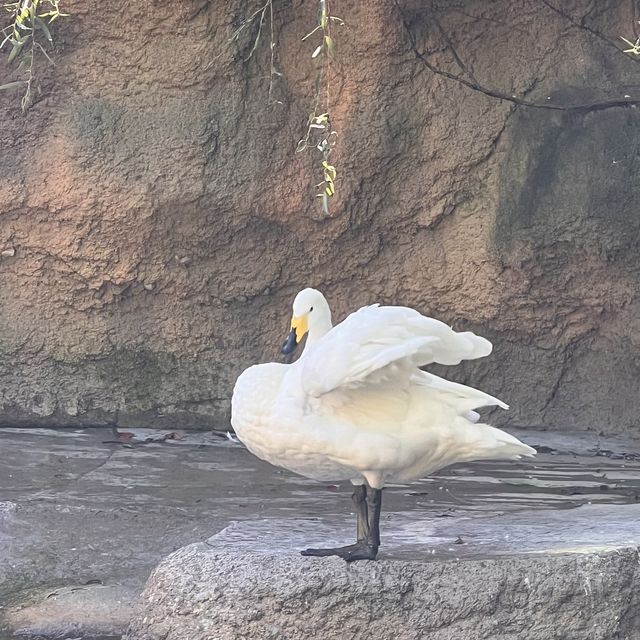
(311, 315)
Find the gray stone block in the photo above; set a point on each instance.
(211, 591)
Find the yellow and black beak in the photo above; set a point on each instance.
(290, 344)
(299, 328)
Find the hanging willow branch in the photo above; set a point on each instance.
(29, 23)
(320, 134)
(259, 15)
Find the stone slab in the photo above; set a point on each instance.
(202, 593)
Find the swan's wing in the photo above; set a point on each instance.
(388, 340)
(466, 399)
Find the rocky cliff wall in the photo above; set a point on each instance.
(156, 222)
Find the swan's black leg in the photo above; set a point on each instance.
(359, 498)
(368, 530)
(374, 518)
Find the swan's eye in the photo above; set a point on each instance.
(310, 310)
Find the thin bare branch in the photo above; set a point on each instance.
(584, 27)
(257, 39)
(499, 95)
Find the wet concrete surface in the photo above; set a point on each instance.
(83, 519)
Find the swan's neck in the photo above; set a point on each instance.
(319, 324)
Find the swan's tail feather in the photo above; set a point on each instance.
(465, 399)
(488, 443)
(464, 441)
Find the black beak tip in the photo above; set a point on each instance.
(290, 344)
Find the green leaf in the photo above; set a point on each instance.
(40, 24)
(24, 63)
(17, 47)
(330, 44)
(22, 16)
(329, 171)
(12, 85)
(324, 14)
(325, 204)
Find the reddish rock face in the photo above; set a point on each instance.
(156, 223)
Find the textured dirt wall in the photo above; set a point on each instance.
(161, 222)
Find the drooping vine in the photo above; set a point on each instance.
(23, 35)
(321, 136)
(259, 14)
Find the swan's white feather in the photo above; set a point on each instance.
(374, 337)
(356, 405)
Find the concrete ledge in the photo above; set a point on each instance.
(201, 592)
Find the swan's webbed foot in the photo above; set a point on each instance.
(361, 550)
(368, 530)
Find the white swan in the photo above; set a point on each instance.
(355, 406)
